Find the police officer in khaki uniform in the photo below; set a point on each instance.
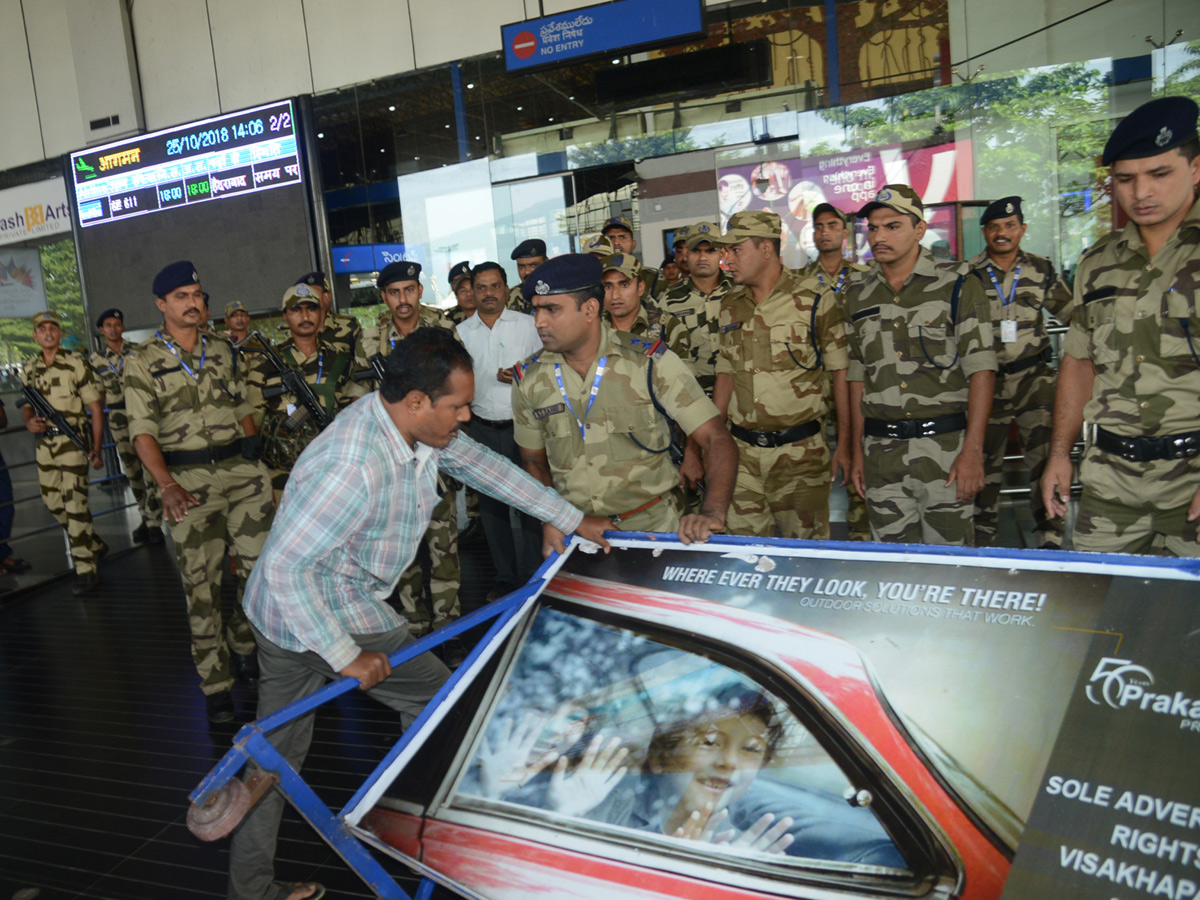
(833, 269)
(779, 335)
(1131, 359)
(400, 285)
(108, 363)
(285, 425)
(193, 429)
(65, 379)
(696, 301)
(1020, 286)
(922, 377)
(625, 308)
(587, 423)
(528, 255)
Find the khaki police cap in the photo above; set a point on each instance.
(47, 315)
(235, 306)
(751, 224)
(897, 197)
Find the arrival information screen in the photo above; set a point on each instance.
(247, 151)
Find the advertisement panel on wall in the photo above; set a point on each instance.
(34, 211)
(22, 290)
(793, 187)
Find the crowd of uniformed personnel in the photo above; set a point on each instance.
(726, 393)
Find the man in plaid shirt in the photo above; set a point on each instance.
(352, 516)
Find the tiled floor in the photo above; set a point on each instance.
(103, 734)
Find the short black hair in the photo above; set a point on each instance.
(591, 292)
(423, 362)
(1190, 148)
(489, 266)
(776, 243)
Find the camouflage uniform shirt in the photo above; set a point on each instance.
(181, 412)
(838, 285)
(603, 471)
(1138, 321)
(1038, 287)
(518, 303)
(777, 352)
(652, 325)
(699, 313)
(68, 384)
(109, 367)
(384, 337)
(342, 332)
(914, 362)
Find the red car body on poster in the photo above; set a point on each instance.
(505, 851)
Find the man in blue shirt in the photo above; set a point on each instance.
(352, 516)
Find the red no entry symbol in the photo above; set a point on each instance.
(524, 44)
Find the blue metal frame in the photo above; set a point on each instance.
(251, 741)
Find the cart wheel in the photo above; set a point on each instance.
(221, 814)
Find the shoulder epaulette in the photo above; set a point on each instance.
(520, 368)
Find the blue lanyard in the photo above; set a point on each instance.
(203, 353)
(116, 371)
(591, 396)
(1012, 295)
(837, 288)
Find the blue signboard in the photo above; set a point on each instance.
(598, 29)
(354, 258)
(386, 254)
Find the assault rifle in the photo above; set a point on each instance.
(56, 422)
(292, 381)
(375, 373)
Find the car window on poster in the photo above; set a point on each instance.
(598, 723)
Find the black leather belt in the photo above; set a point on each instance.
(907, 429)
(204, 457)
(1028, 362)
(492, 423)
(776, 438)
(1146, 448)
(120, 405)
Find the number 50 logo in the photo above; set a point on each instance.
(1114, 679)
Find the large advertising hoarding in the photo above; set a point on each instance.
(793, 187)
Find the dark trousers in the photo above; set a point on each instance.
(287, 676)
(516, 553)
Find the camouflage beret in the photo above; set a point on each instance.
(897, 197)
(1151, 129)
(681, 234)
(751, 224)
(822, 208)
(599, 246)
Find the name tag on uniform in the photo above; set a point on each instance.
(1008, 331)
(549, 410)
(732, 326)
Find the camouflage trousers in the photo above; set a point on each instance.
(1026, 398)
(907, 498)
(145, 491)
(63, 480)
(782, 491)
(1130, 507)
(857, 526)
(235, 511)
(426, 610)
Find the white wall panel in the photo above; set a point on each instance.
(446, 30)
(261, 50)
(20, 137)
(175, 60)
(374, 42)
(105, 75)
(54, 75)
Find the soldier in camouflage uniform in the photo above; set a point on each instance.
(66, 381)
(341, 332)
(619, 232)
(400, 285)
(922, 378)
(1131, 359)
(779, 334)
(586, 422)
(696, 301)
(237, 322)
(832, 270)
(625, 308)
(679, 250)
(460, 286)
(528, 255)
(1019, 286)
(194, 431)
(285, 425)
(109, 366)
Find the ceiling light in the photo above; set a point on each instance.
(616, 62)
(552, 118)
(391, 109)
(320, 134)
(447, 126)
(470, 85)
(571, 97)
(416, 157)
(519, 108)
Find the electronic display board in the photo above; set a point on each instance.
(253, 150)
(228, 193)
